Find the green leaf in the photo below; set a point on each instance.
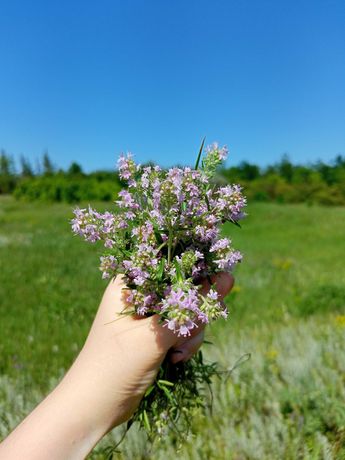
(207, 203)
(235, 223)
(168, 394)
(160, 269)
(158, 237)
(146, 421)
(179, 275)
(200, 152)
(149, 390)
(166, 382)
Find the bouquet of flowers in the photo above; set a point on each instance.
(164, 238)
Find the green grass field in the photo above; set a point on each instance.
(287, 311)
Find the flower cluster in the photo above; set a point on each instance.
(164, 237)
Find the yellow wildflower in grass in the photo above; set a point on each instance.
(236, 289)
(340, 320)
(282, 264)
(271, 354)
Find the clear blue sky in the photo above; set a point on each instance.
(87, 80)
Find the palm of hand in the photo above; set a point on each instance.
(129, 351)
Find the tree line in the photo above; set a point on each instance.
(283, 182)
(46, 182)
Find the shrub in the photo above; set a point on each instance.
(323, 299)
(61, 188)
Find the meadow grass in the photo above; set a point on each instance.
(287, 310)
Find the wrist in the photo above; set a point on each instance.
(84, 392)
(66, 424)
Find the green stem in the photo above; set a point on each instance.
(169, 245)
(161, 246)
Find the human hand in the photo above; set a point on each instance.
(128, 351)
(104, 386)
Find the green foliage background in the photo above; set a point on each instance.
(283, 182)
(287, 310)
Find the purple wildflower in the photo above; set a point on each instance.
(212, 294)
(181, 309)
(228, 261)
(220, 244)
(108, 266)
(166, 230)
(126, 166)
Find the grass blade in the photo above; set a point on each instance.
(200, 152)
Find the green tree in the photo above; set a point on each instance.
(248, 171)
(26, 168)
(7, 173)
(75, 169)
(48, 167)
(285, 168)
(6, 164)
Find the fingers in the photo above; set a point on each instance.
(183, 347)
(165, 337)
(223, 284)
(115, 291)
(188, 348)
